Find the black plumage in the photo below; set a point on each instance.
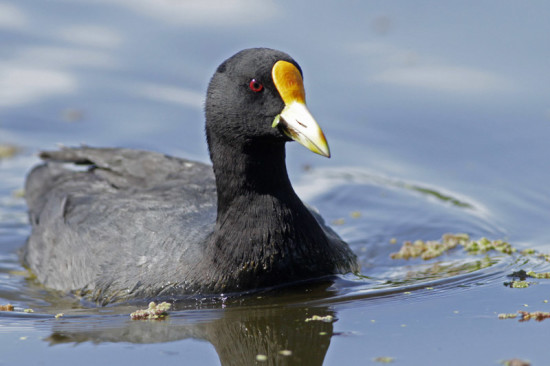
(140, 225)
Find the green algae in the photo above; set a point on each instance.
(435, 248)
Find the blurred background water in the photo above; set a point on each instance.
(438, 119)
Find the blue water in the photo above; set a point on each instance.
(438, 120)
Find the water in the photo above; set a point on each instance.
(438, 121)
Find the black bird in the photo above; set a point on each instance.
(141, 225)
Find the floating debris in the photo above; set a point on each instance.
(538, 275)
(355, 214)
(28, 311)
(527, 315)
(318, 318)
(430, 249)
(8, 307)
(8, 151)
(155, 312)
(338, 222)
(285, 352)
(57, 316)
(72, 115)
(434, 248)
(517, 284)
(521, 275)
(261, 358)
(536, 315)
(384, 359)
(516, 362)
(393, 241)
(484, 245)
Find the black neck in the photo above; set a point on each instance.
(252, 170)
(264, 235)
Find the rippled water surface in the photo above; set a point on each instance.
(438, 119)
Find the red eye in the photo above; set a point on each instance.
(255, 86)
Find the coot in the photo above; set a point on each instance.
(141, 225)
